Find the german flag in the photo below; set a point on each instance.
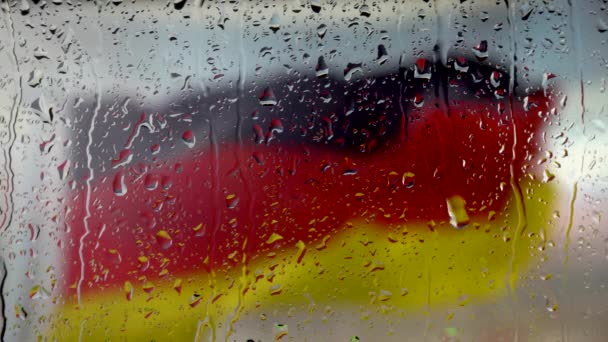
(401, 198)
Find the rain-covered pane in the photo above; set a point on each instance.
(303, 170)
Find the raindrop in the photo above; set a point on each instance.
(25, 7)
(179, 4)
(63, 169)
(601, 25)
(276, 126)
(458, 212)
(274, 23)
(351, 69)
(422, 69)
(364, 10)
(124, 158)
(164, 239)
(35, 78)
(39, 292)
(321, 30)
(40, 53)
(525, 11)
(232, 201)
(118, 184)
(315, 5)
(408, 179)
(42, 109)
(267, 97)
(188, 138)
(321, 69)
(382, 54)
(481, 50)
(418, 100)
(150, 182)
(128, 289)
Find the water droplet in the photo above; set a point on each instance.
(280, 330)
(177, 285)
(195, 300)
(148, 287)
(321, 30)
(232, 201)
(39, 292)
(548, 176)
(144, 263)
(40, 53)
(164, 239)
(128, 289)
(274, 237)
(276, 126)
(35, 78)
(321, 69)
(20, 313)
(267, 97)
(525, 10)
(384, 295)
(481, 50)
(150, 182)
(364, 10)
(418, 100)
(422, 69)
(601, 25)
(495, 77)
(118, 184)
(25, 7)
(43, 109)
(315, 5)
(408, 179)
(188, 138)
(125, 156)
(458, 212)
(259, 134)
(63, 169)
(382, 55)
(275, 23)
(351, 69)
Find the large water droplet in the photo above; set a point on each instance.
(458, 212)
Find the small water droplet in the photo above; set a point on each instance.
(124, 157)
(321, 30)
(351, 69)
(63, 169)
(382, 55)
(601, 25)
(274, 237)
(35, 78)
(364, 11)
(275, 23)
(422, 69)
(321, 69)
(188, 138)
(267, 97)
(128, 289)
(232, 201)
(39, 292)
(164, 239)
(118, 184)
(481, 50)
(408, 179)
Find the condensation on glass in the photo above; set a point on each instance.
(303, 170)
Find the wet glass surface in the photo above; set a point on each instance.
(303, 170)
